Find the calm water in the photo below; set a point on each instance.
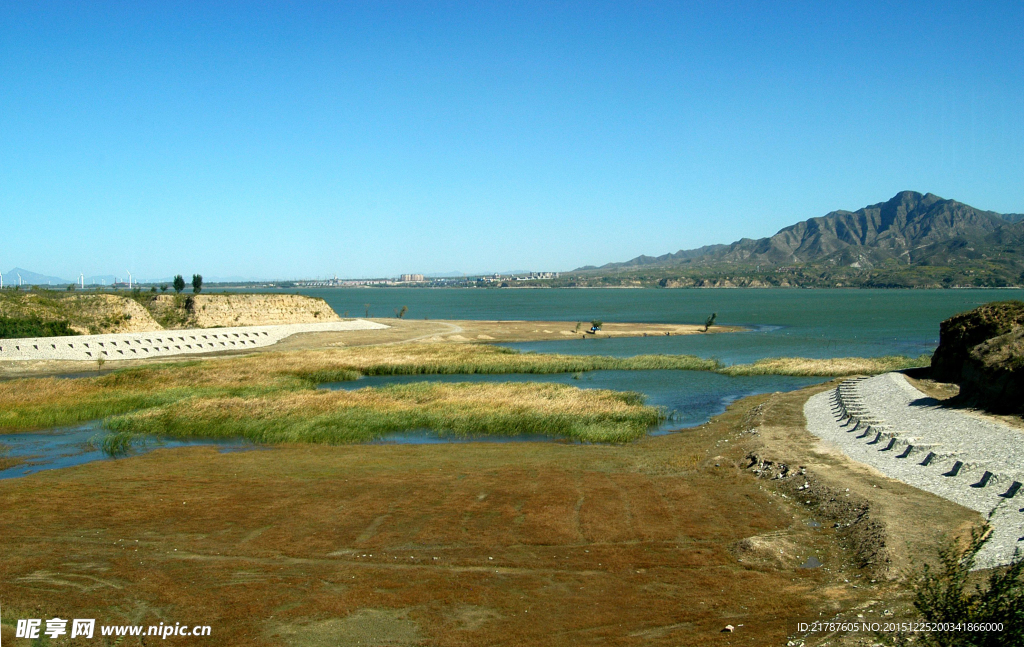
(689, 397)
(788, 322)
(57, 448)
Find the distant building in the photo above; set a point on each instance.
(529, 276)
(411, 278)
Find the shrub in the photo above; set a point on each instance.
(16, 327)
(942, 594)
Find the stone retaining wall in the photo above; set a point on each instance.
(163, 343)
(885, 422)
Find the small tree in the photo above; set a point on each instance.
(596, 324)
(401, 313)
(367, 306)
(163, 287)
(179, 283)
(710, 321)
(197, 283)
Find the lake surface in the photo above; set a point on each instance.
(689, 398)
(787, 322)
(57, 448)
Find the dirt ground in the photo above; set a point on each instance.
(661, 542)
(403, 330)
(400, 331)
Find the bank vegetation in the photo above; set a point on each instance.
(273, 397)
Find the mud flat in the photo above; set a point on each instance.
(885, 422)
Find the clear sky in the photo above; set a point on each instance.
(301, 139)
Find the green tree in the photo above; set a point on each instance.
(597, 323)
(163, 287)
(179, 283)
(197, 283)
(400, 314)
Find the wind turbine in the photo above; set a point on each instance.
(81, 278)
(129, 280)
(19, 279)
(1, 280)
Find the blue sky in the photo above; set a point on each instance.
(306, 139)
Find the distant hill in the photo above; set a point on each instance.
(911, 228)
(911, 240)
(31, 278)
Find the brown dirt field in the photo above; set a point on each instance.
(535, 544)
(661, 542)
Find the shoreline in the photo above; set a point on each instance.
(378, 331)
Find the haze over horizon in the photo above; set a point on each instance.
(372, 140)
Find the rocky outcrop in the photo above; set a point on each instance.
(993, 375)
(983, 351)
(85, 313)
(108, 313)
(96, 314)
(210, 310)
(961, 333)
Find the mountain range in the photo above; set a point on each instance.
(910, 230)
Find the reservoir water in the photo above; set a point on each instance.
(786, 322)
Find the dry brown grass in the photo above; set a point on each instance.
(836, 367)
(48, 402)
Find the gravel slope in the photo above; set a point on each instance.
(885, 422)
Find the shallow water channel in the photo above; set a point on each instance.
(689, 398)
(69, 446)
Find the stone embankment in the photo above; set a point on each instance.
(164, 343)
(885, 422)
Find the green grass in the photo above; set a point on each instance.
(461, 409)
